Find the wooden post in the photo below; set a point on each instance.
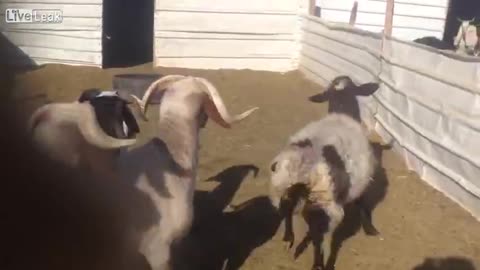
(353, 13)
(311, 7)
(389, 18)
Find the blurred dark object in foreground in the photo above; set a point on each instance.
(52, 217)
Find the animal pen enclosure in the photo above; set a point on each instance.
(429, 102)
(92, 32)
(436, 136)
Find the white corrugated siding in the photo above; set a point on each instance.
(412, 18)
(250, 34)
(432, 114)
(77, 40)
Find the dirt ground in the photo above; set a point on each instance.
(421, 229)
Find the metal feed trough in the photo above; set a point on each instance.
(135, 84)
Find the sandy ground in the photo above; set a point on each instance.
(421, 228)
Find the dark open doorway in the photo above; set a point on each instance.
(127, 32)
(463, 9)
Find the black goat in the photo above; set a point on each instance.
(435, 43)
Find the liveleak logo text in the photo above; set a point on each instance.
(19, 15)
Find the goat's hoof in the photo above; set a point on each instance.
(287, 247)
(230, 208)
(318, 267)
(372, 232)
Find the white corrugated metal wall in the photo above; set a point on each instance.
(412, 18)
(77, 40)
(254, 34)
(432, 114)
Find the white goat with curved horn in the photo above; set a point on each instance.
(165, 168)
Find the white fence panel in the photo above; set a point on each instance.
(77, 40)
(412, 19)
(331, 49)
(227, 34)
(441, 116)
(428, 101)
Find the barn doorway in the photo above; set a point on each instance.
(463, 9)
(127, 38)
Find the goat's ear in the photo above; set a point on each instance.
(212, 112)
(88, 94)
(322, 97)
(366, 89)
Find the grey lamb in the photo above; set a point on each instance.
(332, 158)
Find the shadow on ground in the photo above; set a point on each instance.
(224, 240)
(411, 218)
(449, 263)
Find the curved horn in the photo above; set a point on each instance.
(223, 116)
(159, 84)
(38, 116)
(83, 115)
(92, 132)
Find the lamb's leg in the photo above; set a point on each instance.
(286, 212)
(366, 218)
(158, 256)
(299, 226)
(302, 245)
(317, 234)
(294, 225)
(318, 254)
(301, 233)
(322, 233)
(327, 244)
(288, 235)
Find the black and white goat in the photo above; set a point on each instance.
(86, 133)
